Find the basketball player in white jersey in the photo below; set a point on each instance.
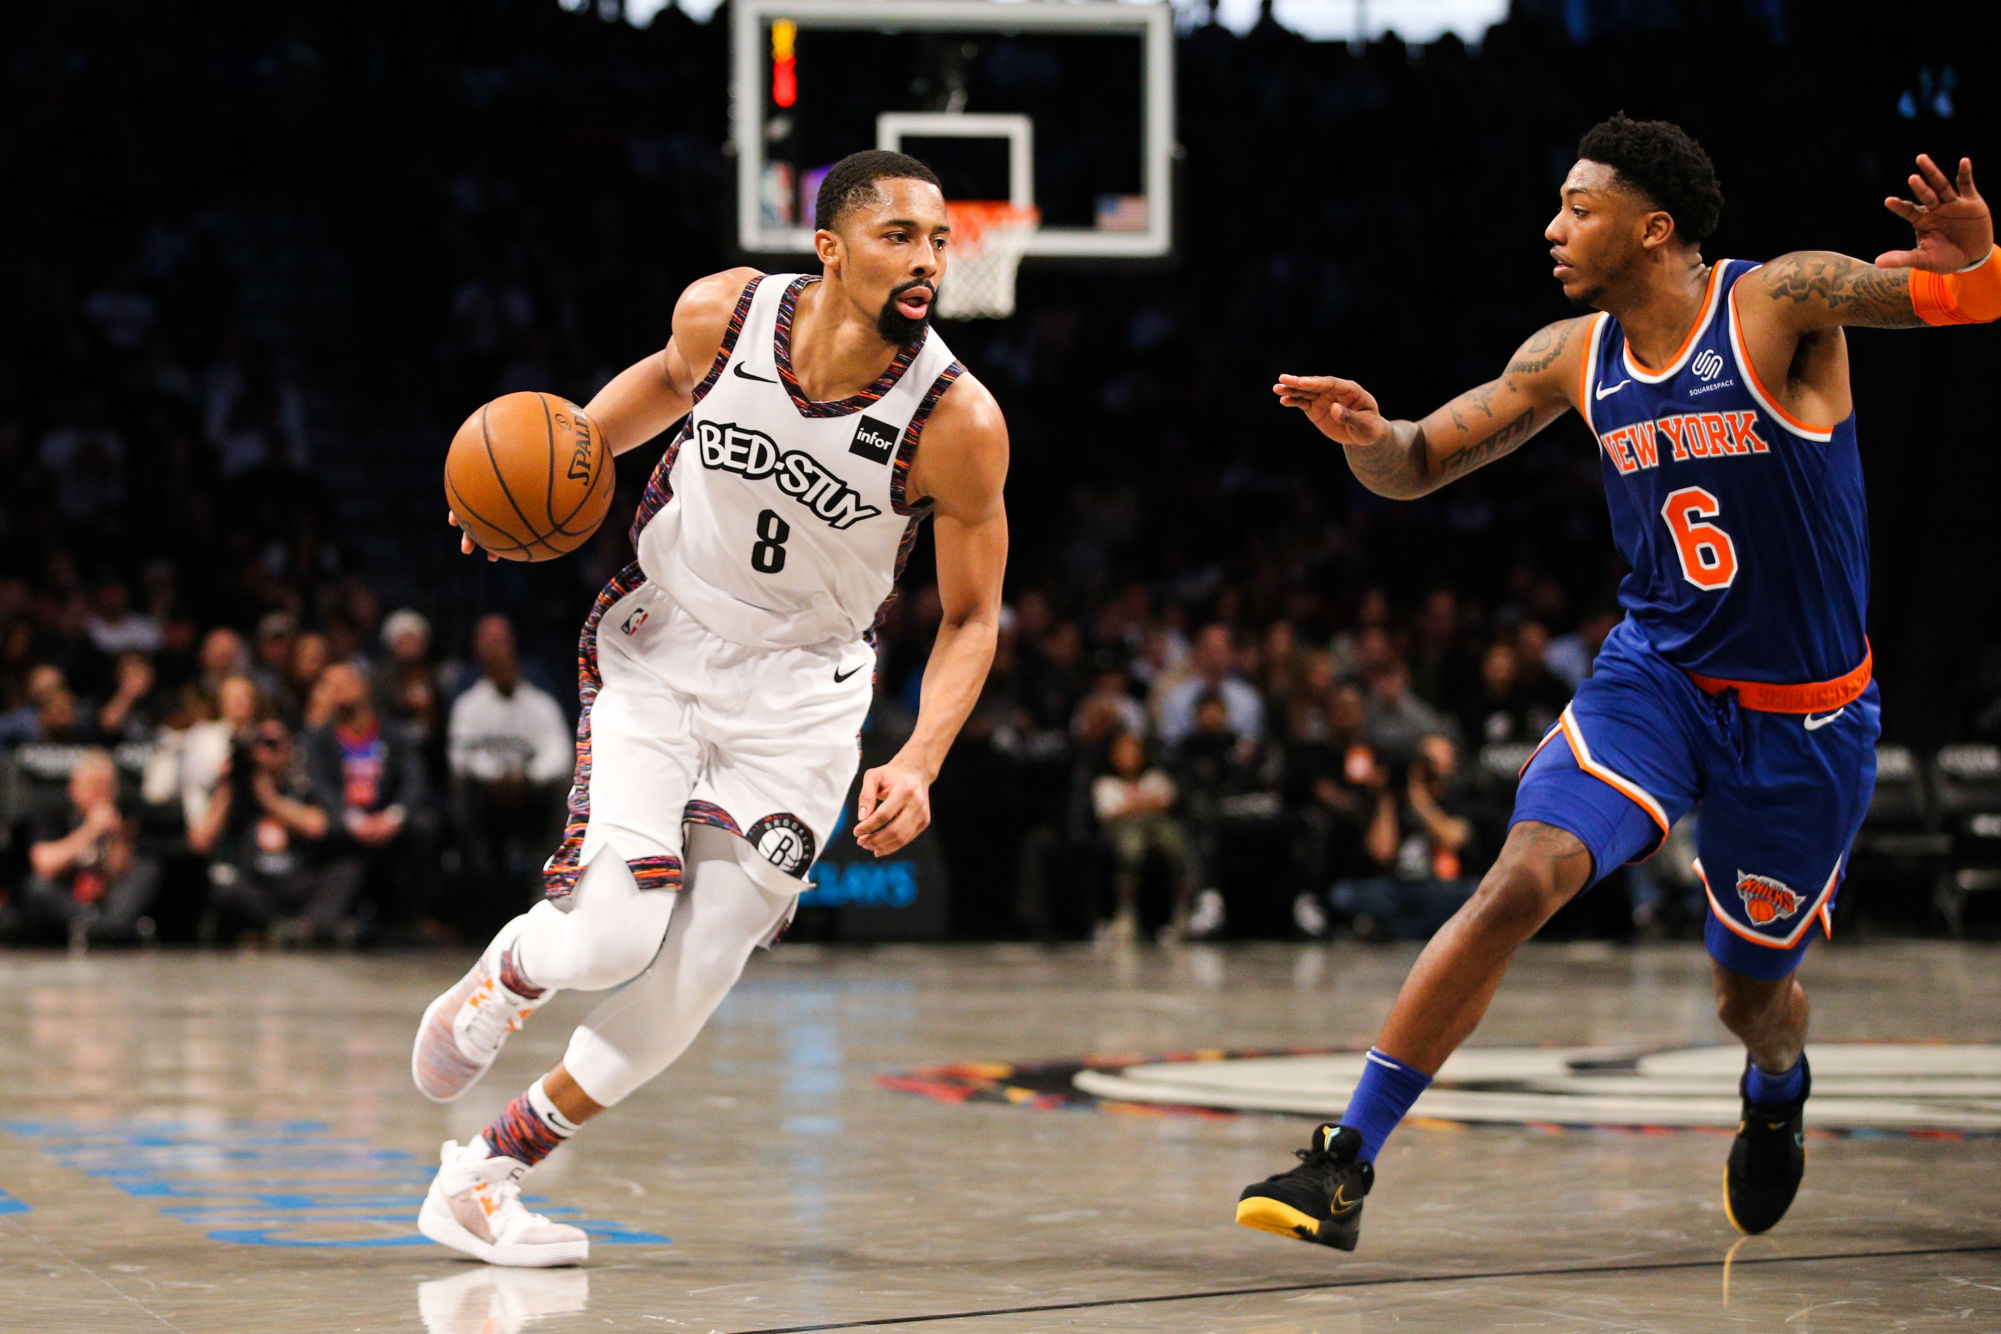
(725, 674)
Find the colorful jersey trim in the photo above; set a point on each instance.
(655, 872)
(707, 812)
(659, 485)
(782, 349)
(560, 872)
(730, 335)
(906, 451)
(899, 499)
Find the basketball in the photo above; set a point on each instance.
(529, 477)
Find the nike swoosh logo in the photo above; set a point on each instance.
(1341, 1201)
(1814, 724)
(746, 375)
(1607, 393)
(842, 676)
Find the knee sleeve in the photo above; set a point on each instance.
(608, 936)
(723, 915)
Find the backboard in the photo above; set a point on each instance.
(1065, 105)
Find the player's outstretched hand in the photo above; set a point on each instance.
(1952, 221)
(465, 539)
(1343, 410)
(895, 807)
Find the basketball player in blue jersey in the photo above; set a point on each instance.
(1719, 398)
(726, 672)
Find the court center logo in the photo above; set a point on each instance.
(1927, 1089)
(1708, 364)
(784, 841)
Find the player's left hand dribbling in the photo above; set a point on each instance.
(895, 807)
(466, 544)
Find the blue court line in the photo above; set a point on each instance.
(258, 1182)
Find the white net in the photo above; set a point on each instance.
(988, 241)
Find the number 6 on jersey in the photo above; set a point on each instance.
(768, 556)
(1708, 560)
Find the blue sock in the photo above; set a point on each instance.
(1773, 1090)
(1387, 1090)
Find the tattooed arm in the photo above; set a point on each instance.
(1404, 459)
(1790, 313)
(1814, 290)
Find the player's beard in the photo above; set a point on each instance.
(897, 327)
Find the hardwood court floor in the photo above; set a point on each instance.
(230, 1143)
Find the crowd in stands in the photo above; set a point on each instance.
(267, 787)
(1234, 692)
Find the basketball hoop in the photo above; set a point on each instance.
(988, 240)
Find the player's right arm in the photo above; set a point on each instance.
(651, 395)
(1407, 459)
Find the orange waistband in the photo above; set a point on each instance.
(1812, 697)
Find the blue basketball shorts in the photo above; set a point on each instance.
(1782, 795)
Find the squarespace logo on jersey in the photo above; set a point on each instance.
(727, 447)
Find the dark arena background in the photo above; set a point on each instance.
(259, 261)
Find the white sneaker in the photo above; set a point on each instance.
(474, 1206)
(463, 1030)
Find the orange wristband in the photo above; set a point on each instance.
(1971, 296)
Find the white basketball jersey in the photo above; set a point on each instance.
(778, 522)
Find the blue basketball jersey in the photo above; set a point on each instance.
(1746, 528)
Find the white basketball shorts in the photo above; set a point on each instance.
(680, 725)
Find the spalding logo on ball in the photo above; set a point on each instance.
(529, 477)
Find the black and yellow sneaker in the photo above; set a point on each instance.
(1767, 1160)
(1319, 1200)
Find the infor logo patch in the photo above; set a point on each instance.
(874, 440)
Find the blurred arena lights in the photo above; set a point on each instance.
(1320, 20)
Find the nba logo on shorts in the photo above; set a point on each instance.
(1765, 899)
(634, 621)
(1707, 364)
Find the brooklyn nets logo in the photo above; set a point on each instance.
(1934, 1089)
(784, 841)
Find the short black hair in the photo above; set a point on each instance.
(852, 181)
(1664, 163)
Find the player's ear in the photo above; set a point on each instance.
(1656, 228)
(827, 245)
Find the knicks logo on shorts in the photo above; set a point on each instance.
(634, 621)
(783, 840)
(1766, 900)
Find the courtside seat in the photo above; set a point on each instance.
(1967, 777)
